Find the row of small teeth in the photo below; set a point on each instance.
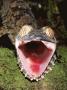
(49, 68)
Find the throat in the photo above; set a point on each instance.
(36, 51)
(43, 57)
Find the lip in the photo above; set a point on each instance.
(34, 56)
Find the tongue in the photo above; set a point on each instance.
(35, 68)
(38, 60)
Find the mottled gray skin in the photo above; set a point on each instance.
(15, 14)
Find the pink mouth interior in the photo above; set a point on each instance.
(37, 52)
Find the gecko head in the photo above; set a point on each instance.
(35, 49)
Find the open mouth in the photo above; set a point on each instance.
(34, 57)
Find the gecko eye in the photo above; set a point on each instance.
(48, 31)
(26, 29)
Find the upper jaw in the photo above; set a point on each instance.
(36, 37)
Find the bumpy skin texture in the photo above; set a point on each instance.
(15, 14)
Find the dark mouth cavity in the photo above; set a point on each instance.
(35, 50)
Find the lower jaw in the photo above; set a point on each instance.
(34, 57)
